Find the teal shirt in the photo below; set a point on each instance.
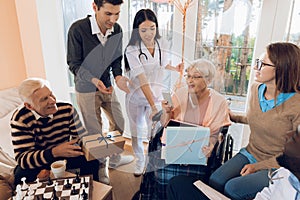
(265, 104)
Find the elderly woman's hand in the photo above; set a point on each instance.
(208, 149)
(167, 108)
(232, 116)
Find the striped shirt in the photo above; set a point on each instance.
(33, 141)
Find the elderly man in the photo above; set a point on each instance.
(41, 132)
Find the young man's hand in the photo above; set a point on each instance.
(101, 87)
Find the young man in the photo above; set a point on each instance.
(95, 50)
(41, 132)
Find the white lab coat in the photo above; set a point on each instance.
(152, 69)
(137, 106)
(281, 189)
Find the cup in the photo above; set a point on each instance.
(58, 168)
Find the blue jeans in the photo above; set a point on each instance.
(227, 179)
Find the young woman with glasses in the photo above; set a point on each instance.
(273, 111)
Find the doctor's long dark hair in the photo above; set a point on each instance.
(141, 16)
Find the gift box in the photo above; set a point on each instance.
(184, 145)
(97, 146)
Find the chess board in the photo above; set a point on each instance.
(44, 191)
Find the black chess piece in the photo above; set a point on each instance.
(77, 178)
(73, 191)
(68, 185)
(85, 183)
(54, 196)
(84, 195)
(40, 197)
(50, 182)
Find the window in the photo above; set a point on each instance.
(293, 30)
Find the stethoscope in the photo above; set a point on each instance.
(142, 54)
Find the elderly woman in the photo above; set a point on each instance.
(196, 104)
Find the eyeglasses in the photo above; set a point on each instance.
(260, 64)
(186, 76)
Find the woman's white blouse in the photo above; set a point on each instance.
(150, 66)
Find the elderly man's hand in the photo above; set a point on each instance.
(44, 174)
(67, 149)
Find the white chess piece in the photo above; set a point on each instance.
(24, 185)
(56, 186)
(19, 192)
(38, 183)
(31, 190)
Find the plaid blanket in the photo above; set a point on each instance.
(158, 174)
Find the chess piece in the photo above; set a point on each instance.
(73, 191)
(28, 197)
(24, 185)
(56, 186)
(54, 196)
(50, 182)
(38, 183)
(19, 192)
(84, 195)
(31, 190)
(40, 197)
(68, 184)
(35, 185)
(77, 178)
(85, 183)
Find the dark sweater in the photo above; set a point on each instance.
(88, 58)
(33, 141)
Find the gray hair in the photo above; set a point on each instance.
(29, 86)
(205, 67)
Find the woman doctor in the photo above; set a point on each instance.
(146, 58)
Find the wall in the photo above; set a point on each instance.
(30, 38)
(12, 62)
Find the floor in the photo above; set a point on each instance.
(124, 183)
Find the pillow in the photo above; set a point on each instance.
(9, 100)
(6, 186)
(7, 165)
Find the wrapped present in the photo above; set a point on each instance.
(184, 145)
(102, 145)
